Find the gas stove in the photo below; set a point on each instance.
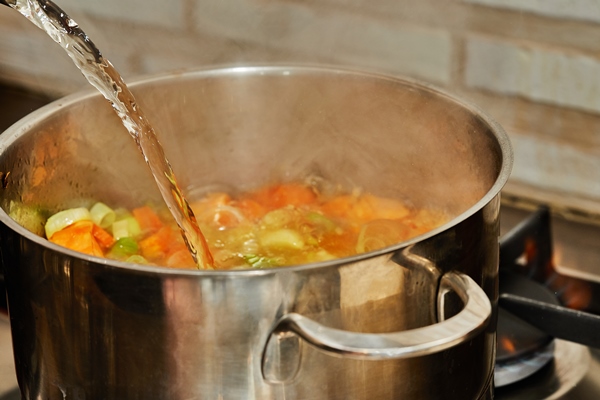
(561, 369)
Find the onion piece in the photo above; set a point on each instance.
(380, 233)
(102, 215)
(228, 209)
(281, 238)
(126, 227)
(64, 218)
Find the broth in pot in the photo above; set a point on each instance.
(276, 225)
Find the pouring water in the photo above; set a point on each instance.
(103, 76)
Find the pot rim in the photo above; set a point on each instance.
(20, 128)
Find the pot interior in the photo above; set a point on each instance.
(243, 127)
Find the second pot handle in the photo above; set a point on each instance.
(465, 325)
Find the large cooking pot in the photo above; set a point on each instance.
(412, 321)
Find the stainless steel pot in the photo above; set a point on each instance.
(415, 320)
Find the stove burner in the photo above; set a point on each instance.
(522, 349)
(531, 290)
(513, 370)
(555, 379)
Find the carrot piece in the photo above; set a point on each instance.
(156, 246)
(207, 208)
(149, 221)
(277, 196)
(210, 202)
(383, 208)
(339, 244)
(364, 208)
(263, 197)
(339, 206)
(226, 218)
(251, 209)
(78, 236)
(181, 259)
(294, 194)
(104, 239)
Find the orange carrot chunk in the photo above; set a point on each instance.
(181, 259)
(78, 236)
(156, 247)
(293, 194)
(149, 221)
(251, 209)
(104, 239)
(286, 194)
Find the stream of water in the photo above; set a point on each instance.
(103, 76)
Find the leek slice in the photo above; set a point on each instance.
(102, 215)
(137, 259)
(123, 248)
(260, 262)
(281, 238)
(62, 219)
(127, 227)
(120, 229)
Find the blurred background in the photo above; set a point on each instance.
(533, 65)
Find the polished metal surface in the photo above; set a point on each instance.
(8, 379)
(85, 327)
(466, 325)
(558, 379)
(509, 372)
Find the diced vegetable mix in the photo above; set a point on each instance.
(277, 225)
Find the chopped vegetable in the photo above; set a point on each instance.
(127, 227)
(124, 248)
(273, 226)
(281, 238)
(62, 219)
(137, 259)
(381, 233)
(182, 259)
(104, 239)
(251, 209)
(147, 219)
(157, 245)
(260, 262)
(78, 236)
(102, 215)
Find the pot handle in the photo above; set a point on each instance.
(465, 325)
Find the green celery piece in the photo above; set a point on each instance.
(137, 259)
(260, 262)
(126, 227)
(133, 226)
(123, 248)
(321, 220)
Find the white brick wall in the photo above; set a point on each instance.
(163, 13)
(558, 77)
(27, 53)
(588, 10)
(342, 37)
(556, 166)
